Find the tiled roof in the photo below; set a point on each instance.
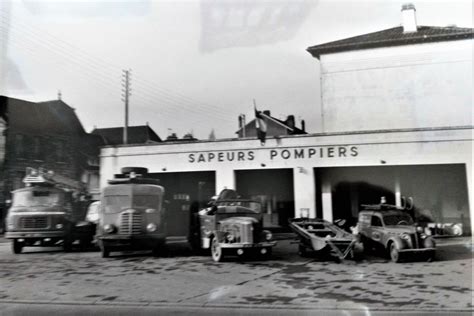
(51, 117)
(136, 135)
(393, 37)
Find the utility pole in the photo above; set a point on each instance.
(126, 93)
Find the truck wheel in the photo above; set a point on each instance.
(302, 251)
(105, 251)
(159, 250)
(85, 243)
(268, 254)
(431, 257)
(394, 253)
(366, 244)
(17, 246)
(216, 250)
(67, 244)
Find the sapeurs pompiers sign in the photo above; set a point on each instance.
(275, 154)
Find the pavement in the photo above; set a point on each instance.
(48, 280)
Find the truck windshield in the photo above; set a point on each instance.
(117, 203)
(241, 207)
(36, 198)
(397, 219)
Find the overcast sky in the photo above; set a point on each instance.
(196, 65)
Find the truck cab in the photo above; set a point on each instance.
(44, 213)
(233, 226)
(132, 213)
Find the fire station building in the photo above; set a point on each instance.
(397, 122)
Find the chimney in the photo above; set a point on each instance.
(266, 112)
(290, 121)
(303, 126)
(409, 18)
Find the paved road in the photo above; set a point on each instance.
(73, 282)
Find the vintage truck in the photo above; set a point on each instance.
(133, 215)
(46, 212)
(391, 229)
(233, 226)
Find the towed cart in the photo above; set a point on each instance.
(323, 237)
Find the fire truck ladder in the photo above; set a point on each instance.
(43, 176)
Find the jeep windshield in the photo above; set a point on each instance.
(397, 219)
(118, 203)
(36, 198)
(249, 207)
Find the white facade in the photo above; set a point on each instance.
(305, 154)
(409, 86)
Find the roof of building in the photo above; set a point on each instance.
(51, 117)
(393, 37)
(136, 135)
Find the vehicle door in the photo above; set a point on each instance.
(376, 232)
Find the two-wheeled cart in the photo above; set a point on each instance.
(322, 237)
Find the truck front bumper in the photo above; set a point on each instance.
(267, 244)
(35, 234)
(417, 251)
(132, 241)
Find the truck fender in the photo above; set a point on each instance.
(397, 240)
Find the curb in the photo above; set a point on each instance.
(236, 306)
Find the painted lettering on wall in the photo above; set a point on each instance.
(309, 153)
(227, 156)
(276, 154)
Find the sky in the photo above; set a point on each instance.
(195, 65)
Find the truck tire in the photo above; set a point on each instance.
(268, 254)
(67, 245)
(302, 251)
(17, 246)
(394, 252)
(216, 250)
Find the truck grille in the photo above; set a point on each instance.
(246, 233)
(415, 241)
(33, 222)
(131, 223)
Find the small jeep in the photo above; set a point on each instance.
(391, 229)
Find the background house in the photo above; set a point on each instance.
(47, 135)
(402, 77)
(139, 134)
(275, 127)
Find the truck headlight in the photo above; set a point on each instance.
(230, 237)
(405, 237)
(151, 227)
(109, 229)
(419, 229)
(59, 226)
(268, 236)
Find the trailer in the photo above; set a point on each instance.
(323, 238)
